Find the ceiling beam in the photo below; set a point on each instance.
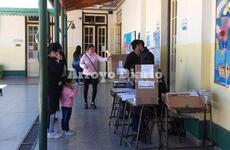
(80, 4)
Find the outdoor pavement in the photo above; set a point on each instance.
(18, 111)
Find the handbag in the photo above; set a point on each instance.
(99, 76)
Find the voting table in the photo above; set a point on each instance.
(119, 83)
(145, 99)
(127, 136)
(117, 104)
(142, 99)
(182, 105)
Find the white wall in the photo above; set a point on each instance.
(12, 32)
(75, 36)
(192, 12)
(189, 45)
(131, 17)
(153, 14)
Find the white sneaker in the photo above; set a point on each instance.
(69, 133)
(54, 135)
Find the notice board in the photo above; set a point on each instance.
(222, 43)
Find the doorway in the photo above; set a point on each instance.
(32, 47)
(95, 32)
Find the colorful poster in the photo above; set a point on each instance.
(156, 47)
(220, 75)
(147, 39)
(222, 51)
(128, 38)
(228, 67)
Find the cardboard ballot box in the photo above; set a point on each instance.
(184, 101)
(146, 84)
(116, 64)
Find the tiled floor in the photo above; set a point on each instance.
(91, 126)
(18, 111)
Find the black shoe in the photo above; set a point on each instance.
(93, 106)
(86, 106)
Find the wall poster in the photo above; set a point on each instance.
(152, 41)
(128, 38)
(222, 50)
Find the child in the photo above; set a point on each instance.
(67, 97)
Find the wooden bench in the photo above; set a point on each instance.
(2, 86)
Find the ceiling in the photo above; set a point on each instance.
(81, 4)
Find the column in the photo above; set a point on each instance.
(56, 21)
(43, 94)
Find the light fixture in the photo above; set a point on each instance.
(71, 25)
(98, 6)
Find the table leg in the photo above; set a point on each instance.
(205, 127)
(158, 127)
(112, 111)
(166, 127)
(211, 123)
(117, 118)
(139, 126)
(123, 124)
(129, 121)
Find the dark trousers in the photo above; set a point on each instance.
(135, 118)
(66, 114)
(89, 80)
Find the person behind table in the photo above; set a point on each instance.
(67, 97)
(146, 57)
(133, 58)
(76, 63)
(55, 71)
(89, 64)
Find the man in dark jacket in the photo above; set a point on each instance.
(55, 71)
(133, 57)
(146, 57)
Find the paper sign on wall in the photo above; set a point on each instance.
(185, 24)
(147, 71)
(120, 64)
(142, 84)
(121, 71)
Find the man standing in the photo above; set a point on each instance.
(55, 71)
(133, 58)
(146, 57)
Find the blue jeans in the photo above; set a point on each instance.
(78, 71)
(66, 114)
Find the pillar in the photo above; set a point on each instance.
(43, 94)
(56, 21)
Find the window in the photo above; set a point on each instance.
(94, 19)
(33, 19)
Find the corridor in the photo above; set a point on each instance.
(92, 127)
